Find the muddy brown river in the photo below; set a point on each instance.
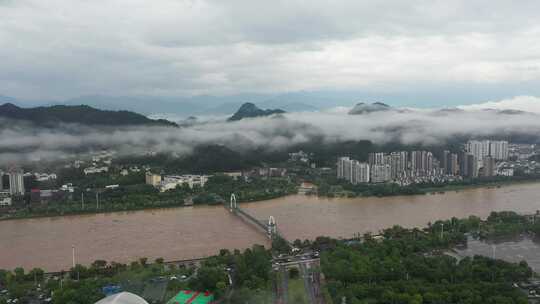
(183, 233)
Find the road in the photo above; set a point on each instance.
(308, 282)
(309, 271)
(283, 290)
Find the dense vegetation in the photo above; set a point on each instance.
(506, 223)
(407, 267)
(85, 115)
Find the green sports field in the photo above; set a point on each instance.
(192, 297)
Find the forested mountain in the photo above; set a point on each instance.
(82, 114)
(249, 110)
(362, 108)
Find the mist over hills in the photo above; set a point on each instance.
(362, 108)
(418, 127)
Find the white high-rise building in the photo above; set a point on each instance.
(398, 164)
(499, 149)
(380, 173)
(343, 167)
(479, 149)
(360, 173)
(376, 158)
(352, 170)
(421, 162)
(16, 183)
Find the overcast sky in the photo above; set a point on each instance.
(58, 49)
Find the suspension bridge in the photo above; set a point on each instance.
(269, 227)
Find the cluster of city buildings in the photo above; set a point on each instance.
(478, 158)
(12, 185)
(522, 158)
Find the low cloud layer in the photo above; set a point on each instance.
(21, 142)
(519, 103)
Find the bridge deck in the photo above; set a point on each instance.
(251, 219)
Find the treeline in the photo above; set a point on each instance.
(508, 223)
(133, 194)
(249, 270)
(206, 159)
(330, 186)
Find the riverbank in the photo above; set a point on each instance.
(487, 185)
(23, 214)
(389, 190)
(74, 209)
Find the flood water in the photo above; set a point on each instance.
(512, 250)
(182, 233)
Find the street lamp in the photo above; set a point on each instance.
(442, 230)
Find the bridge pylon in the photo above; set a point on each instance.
(272, 227)
(232, 203)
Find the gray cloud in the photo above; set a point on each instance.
(67, 48)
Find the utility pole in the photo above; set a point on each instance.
(97, 200)
(82, 200)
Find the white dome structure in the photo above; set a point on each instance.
(122, 298)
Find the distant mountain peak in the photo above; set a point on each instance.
(250, 110)
(9, 106)
(363, 108)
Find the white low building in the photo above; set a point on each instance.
(43, 177)
(172, 181)
(5, 198)
(505, 172)
(68, 188)
(122, 298)
(94, 170)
